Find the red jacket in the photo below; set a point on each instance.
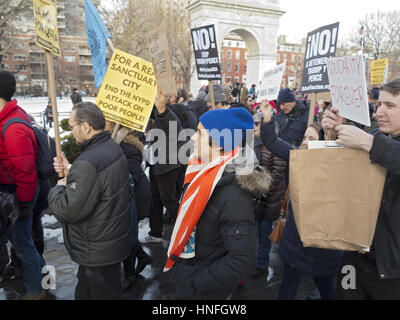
(18, 152)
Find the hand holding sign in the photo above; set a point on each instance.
(353, 137)
(160, 101)
(267, 111)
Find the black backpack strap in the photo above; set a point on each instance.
(14, 120)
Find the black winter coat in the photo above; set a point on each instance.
(226, 241)
(313, 261)
(386, 152)
(291, 127)
(76, 98)
(277, 167)
(198, 106)
(133, 148)
(161, 151)
(94, 206)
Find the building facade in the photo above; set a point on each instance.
(233, 60)
(293, 54)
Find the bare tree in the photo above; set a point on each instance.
(380, 29)
(382, 38)
(9, 11)
(129, 22)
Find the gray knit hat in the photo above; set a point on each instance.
(219, 95)
(202, 95)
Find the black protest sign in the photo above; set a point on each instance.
(321, 46)
(206, 53)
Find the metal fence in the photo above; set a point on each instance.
(40, 118)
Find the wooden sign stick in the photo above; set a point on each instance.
(52, 93)
(117, 126)
(211, 91)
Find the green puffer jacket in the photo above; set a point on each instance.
(94, 206)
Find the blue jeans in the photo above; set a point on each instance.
(31, 261)
(292, 279)
(264, 244)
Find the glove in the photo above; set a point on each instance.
(25, 212)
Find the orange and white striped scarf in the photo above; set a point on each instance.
(202, 179)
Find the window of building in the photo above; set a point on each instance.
(19, 67)
(18, 44)
(69, 48)
(236, 79)
(4, 66)
(4, 57)
(21, 77)
(69, 58)
(227, 79)
(229, 54)
(229, 67)
(19, 57)
(237, 55)
(237, 67)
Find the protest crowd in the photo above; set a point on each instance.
(229, 188)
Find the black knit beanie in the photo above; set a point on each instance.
(7, 85)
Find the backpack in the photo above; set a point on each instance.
(46, 148)
(9, 212)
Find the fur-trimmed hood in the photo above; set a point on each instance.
(134, 141)
(257, 183)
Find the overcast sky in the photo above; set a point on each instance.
(303, 16)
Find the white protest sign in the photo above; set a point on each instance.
(271, 83)
(349, 88)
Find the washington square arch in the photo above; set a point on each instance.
(255, 21)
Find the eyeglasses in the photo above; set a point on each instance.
(71, 126)
(257, 124)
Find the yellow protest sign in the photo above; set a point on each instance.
(46, 30)
(128, 91)
(379, 71)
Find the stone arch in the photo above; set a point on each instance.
(252, 43)
(253, 52)
(255, 21)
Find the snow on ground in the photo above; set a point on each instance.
(48, 220)
(53, 233)
(144, 227)
(51, 229)
(36, 107)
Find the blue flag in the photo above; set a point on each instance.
(97, 35)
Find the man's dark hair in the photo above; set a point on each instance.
(223, 103)
(392, 87)
(90, 113)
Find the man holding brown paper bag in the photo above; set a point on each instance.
(377, 273)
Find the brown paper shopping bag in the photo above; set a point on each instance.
(336, 195)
